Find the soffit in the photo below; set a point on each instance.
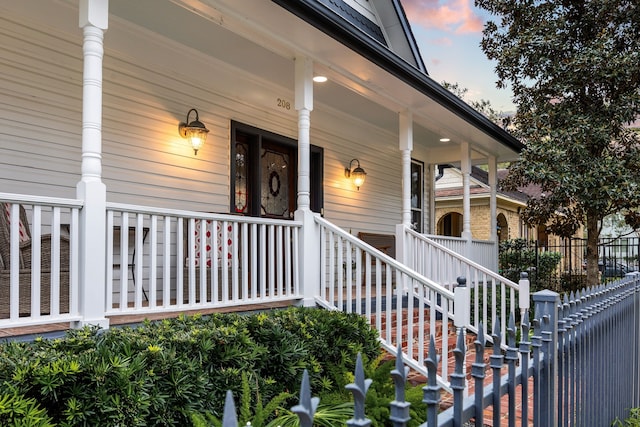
(263, 38)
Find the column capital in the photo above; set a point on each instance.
(94, 13)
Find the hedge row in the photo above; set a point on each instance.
(159, 373)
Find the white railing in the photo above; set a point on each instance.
(483, 252)
(404, 306)
(157, 265)
(39, 260)
(493, 297)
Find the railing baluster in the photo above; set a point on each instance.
(124, 260)
(36, 258)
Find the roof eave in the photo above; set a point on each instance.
(326, 21)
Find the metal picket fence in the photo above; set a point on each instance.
(578, 362)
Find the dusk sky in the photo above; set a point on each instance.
(448, 33)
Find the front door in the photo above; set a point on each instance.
(277, 185)
(264, 168)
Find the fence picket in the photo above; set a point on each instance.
(399, 407)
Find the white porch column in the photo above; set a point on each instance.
(93, 19)
(309, 273)
(493, 207)
(493, 204)
(465, 156)
(406, 146)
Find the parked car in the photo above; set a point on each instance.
(614, 269)
(611, 269)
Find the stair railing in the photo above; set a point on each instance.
(492, 295)
(403, 305)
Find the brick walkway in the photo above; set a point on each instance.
(416, 378)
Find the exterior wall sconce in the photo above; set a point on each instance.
(195, 132)
(358, 174)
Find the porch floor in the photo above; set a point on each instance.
(25, 332)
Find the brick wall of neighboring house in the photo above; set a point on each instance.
(480, 220)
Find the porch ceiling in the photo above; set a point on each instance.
(228, 30)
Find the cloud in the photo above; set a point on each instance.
(455, 16)
(442, 41)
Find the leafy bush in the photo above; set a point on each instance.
(632, 421)
(518, 255)
(160, 373)
(16, 411)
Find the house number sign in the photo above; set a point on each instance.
(284, 104)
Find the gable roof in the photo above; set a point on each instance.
(480, 185)
(390, 28)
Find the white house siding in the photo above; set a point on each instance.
(149, 85)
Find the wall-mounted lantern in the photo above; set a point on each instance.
(357, 175)
(195, 132)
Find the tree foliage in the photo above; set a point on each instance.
(574, 68)
(483, 106)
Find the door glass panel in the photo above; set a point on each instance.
(274, 200)
(241, 188)
(417, 177)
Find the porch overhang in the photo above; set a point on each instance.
(366, 80)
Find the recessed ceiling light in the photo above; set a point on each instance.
(319, 79)
(445, 139)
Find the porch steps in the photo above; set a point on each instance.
(417, 378)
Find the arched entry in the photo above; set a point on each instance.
(503, 228)
(450, 225)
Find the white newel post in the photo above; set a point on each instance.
(310, 239)
(94, 17)
(405, 142)
(465, 156)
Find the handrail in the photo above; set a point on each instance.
(40, 200)
(136, 209)
(467, 261)
(384, 257)
(493, 294)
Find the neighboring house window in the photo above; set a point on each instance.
(417, 192)
(503, 228)
(543, 236)
(450, 225)
(264, 167)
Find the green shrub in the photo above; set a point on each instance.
(16, 411)
(632, 421)
(517, 256)
(160, 373)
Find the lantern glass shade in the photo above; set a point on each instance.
(357, 175)
(196, 137)
(195, 132)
